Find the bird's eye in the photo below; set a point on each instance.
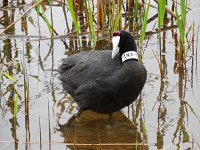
(117, 33)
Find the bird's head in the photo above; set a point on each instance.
(122, 42)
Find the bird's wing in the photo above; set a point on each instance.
(85, 67)
(92, 93)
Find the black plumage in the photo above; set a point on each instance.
(102, 84)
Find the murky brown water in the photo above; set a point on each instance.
(166, 116)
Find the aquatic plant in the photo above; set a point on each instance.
(91, 24)
(14, 22)
(117, 20)
(76, 23)
(100, 21)
(15, 105)
(41, 12)
(109, 15)
(26, 84)
(9, 77)
(161, 12)
(144, 24)
(135, 14)
(181, 22)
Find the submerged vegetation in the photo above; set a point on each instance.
(27, 67)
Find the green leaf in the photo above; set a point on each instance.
(71, 9)
(183, 11)
(42, 14)
(38, 7)
(15, 105)
(180, 26)
(91, 23)
(47, 23)
(136, 9)
(161, 12)
(9, 77)
(144, 25)
(117, 21)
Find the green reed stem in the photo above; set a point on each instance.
(181, 20)
(183, 10)
(116, 23)
(144, 25)
(15, 109)
(26, 87)
(161, 12)
(9, 77)
(71, 10)
(113, 12)
(109, 15)
(1, 74)
(8, 27)
(41, 13)
(135, 10)
(180, 27)
(91, 24)
(15, 105)
(48, 24)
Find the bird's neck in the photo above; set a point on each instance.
(129, 55)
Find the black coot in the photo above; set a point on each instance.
(105, 81)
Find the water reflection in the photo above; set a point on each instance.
(95, 131)
(166, 113)
(162, 97)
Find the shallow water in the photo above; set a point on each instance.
(166, 115)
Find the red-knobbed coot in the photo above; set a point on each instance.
(105, 81)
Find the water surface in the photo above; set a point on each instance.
(165, 116)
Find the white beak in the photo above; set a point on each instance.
(115, 42)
